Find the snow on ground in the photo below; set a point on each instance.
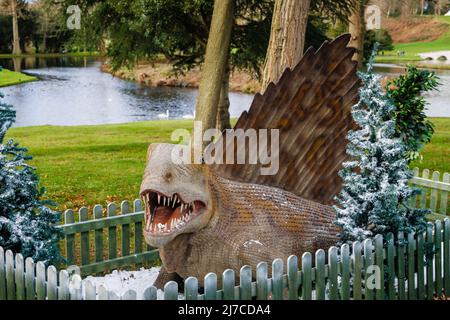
(121, 281)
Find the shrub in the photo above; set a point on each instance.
(411, 123)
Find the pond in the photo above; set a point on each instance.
(73, 91)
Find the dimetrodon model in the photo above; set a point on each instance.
(208, 218)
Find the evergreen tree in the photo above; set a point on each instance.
(374, 199)
(27, 224)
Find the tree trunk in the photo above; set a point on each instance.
(287, 39)
(422, 4)
(44, 43)
(216, 59)
(357, 29)
(15, 27)
(223, 113)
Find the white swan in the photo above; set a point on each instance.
(164, 115)
(189, 116)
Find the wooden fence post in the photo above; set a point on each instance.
(124, 209)
(171, 291)
(261, 281)
(245, 283)
(277, 279)
(2, 275)
(390, 259)
(368, 262)
(345, 272)
(69, 217)
(438, 257)
(52, 283)
(137, 207)
(306, 276)
(29, 279)
(293, 281)
(98, 234)
(10, 285)
(210, 284)
(228, 282)
(320, 274)
(63, 290)
(40, 280)
(20, 277)
(191, 288)
(333, 273)
(150, 294)
(447, 256)
(357, 270)
(84, 246)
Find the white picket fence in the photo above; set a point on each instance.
(24, 279)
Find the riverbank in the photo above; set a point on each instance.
(424, 35)
(49, 55)
(160, 74)
(85, 165)
(9, 78)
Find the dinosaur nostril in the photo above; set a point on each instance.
(168, 176)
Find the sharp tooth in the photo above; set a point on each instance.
(159, 198)
(175, 199)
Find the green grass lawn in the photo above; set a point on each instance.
(85, 165)
(436, 154)
(413, 49)
(9, 78)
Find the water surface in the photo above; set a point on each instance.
(73, 91)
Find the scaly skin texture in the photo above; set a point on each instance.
(243, 224)
(279, 224)
(208, 218)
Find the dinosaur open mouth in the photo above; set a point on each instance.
(167, 214)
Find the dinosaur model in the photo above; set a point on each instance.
(208, 218)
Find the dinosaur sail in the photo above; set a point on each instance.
(311, 106)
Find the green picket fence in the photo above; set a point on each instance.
(106, 239)
(435, 191)
(409, 267)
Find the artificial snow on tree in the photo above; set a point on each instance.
(374, 198)
(27, 224)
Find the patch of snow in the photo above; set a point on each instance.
(448, 14)
(121, 281)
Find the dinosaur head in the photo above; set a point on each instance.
(175, 196)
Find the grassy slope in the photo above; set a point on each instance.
(9, 78)
(90, 164)
(413, 49)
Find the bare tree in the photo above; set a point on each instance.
(287, 38)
